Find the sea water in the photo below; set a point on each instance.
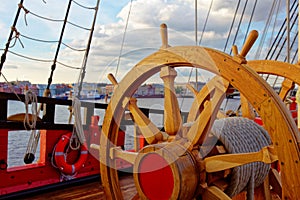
(18, 140)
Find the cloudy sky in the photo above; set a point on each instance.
(140, 39)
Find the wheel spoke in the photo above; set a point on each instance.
(287, 85)
(150, 132)
(204, 121)
(275, 182)
(205, 94)
(227, 161)
(172, 117)
(246, 108)
(117, 152)
(214, 192)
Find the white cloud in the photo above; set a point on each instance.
(142, 36)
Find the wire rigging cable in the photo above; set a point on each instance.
(280, 44)
(275, 22)
(203, 30)
(250, 21)
(84, 62)
(281, 32)
(259, 49)
(123, 39)
(229, 33)
(239, 25)
(205, 23)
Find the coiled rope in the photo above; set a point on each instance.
(241, 135)
(30, 97)
(30, 122)
(77, 137)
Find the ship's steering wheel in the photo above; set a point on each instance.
(177, 141)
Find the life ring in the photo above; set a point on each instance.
(60, 158)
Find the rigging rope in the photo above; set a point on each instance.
(31, 98)
(250, 21)
(58, 46)
(275, 22)
(229, 33)
(238, 28)
(51, 41)
(16, 37)
(281, 33)
(91, 8)
(3, 57)
(285, 40)
(78, 134)
(26, 11)
(42, 60)
(259, 49)
(203, 30)
(84, 62)
(205, 23)
(123, 39)
(11, 87)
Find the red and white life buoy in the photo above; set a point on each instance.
(60, 156)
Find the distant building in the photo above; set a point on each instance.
(182, 90)
(18, 87)
(150, 90)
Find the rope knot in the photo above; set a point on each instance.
(16, 37)
(26, 11)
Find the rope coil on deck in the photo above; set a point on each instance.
(241, 135)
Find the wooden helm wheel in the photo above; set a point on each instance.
(277, 121)
(289, 71)
(277, 68)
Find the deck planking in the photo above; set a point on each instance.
(86, 191)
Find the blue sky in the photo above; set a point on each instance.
(142, 36)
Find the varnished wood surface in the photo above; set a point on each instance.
(91, 190)
(86, 191)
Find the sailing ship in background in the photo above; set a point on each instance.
(176, 158)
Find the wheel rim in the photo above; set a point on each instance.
(264, 100)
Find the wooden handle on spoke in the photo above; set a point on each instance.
(112, 79)
(164, 36)
(249, 43)
(151, 133)
(117, 152)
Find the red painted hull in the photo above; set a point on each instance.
(43, 173)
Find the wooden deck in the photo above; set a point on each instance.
(91, 190)
(88, 190)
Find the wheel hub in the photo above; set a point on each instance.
(166, 172)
